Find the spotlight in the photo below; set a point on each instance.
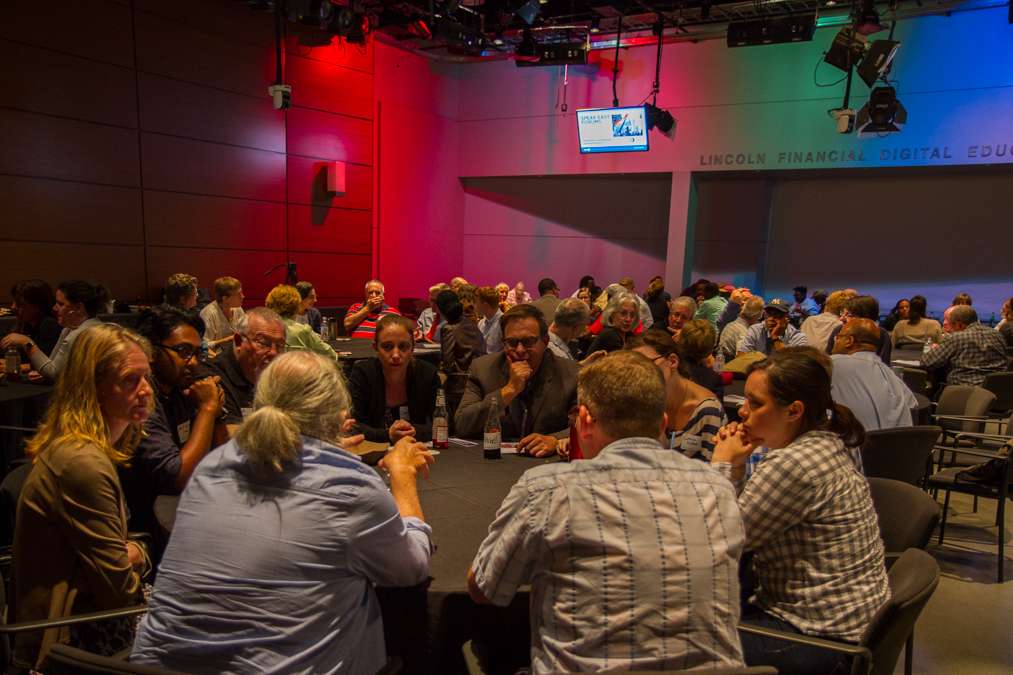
(498, 39)
(656, 117)
(529, 11)
(878, 60)
(883, 114)
(867, 19)
(846, 50)
(595, 24)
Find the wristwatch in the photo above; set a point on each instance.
(29, 346)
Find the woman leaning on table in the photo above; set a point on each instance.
(71, 553)
(286, 301)
(809, 517)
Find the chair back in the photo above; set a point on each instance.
(1000, 384)
(916, 379)
(901, 454)
(967, 401)
(10, 492)
(66, 660)
(913, 579)
(907, 515)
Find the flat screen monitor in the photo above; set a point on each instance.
(612, 129)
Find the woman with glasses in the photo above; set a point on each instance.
(286, 301)
(185, 423)
(620, 317)
(694, 413)
(394, 394)
(71, 552)
(77, 305)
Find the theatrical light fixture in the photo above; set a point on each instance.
(846, 50)
(656, 117)
(877, 60)
(883, 114)
(867, 19)
(529, 11)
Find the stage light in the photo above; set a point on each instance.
(595, 24)
(656, 117)
(877, 60)
(498, 39)
(883, 114)
(529, 11)
(847, 49)
(867, 19)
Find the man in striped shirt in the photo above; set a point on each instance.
(632, 553)
(361, 318)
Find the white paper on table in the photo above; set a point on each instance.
(508, 449)
(906, 362)
(461, 441)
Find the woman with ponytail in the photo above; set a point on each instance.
(809, 518)
(280, 537)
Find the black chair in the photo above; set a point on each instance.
(1000, 384)
(66, 660)
(903, 454)
(995, 485)
(907, 516)
(10, 490)
(957, 403)
(916, 379)
(913, 579)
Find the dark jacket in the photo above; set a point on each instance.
(460, 343)
(608, 339)
(369, 403)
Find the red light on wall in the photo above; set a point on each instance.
(336, 178)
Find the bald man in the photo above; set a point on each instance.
(861, 381)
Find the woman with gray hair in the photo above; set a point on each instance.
(280, 537)
(618, 321)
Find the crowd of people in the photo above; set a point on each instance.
(634, 549)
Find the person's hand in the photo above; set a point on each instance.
(592, 357)
(563, 448)
(348, 426)
(732, 444)
(408, 456)
(14, 340)
(778, 331)
(399, 430)
(375, 303)
(207, 394)
(352, 441)
(520, 373)
(417, 335)
(537, 445)
(35, 376)
(135, 554)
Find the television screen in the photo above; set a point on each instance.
(612, 129)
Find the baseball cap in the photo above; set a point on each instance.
(777, 305)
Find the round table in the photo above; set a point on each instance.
(22, 404)
(426, 625)
(356, 349)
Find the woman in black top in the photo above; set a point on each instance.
(33, 306)
(393, 395)
(619, 319)
(657, 299)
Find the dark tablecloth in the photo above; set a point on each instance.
(355, 349)
(22, 404)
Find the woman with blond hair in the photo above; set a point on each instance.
(281, 536)
(71, 552)
(286, 301)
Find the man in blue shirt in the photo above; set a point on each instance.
(804, 307)
(862, 382)
(774, 333)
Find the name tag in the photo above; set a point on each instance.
(402, 413)
(245, 412)
(691, 445)
(183, 432)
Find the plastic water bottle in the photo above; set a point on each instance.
(927, 347)
(441, 438)
(492, 440)
(12, 363)
(325, 328)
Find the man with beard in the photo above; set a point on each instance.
(185, 423)
(259, 338)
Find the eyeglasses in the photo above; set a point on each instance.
(528, 342)
(262, 342)
(184, 351)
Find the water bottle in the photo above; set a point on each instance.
(492, 440)
(12, 363)
(927, 347)
(325, 328)
(441, 426)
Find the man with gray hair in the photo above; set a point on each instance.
(258, 340)
(751, 313)
(681, 310)
(969, 352)
(569, 324)
(361, 318)
(570, 530)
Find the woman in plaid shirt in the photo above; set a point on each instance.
(809, 518)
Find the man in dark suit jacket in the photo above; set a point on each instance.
(535, 389)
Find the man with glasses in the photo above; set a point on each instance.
(534, 388)
(259, 338)
(185, 423)
(866, 385)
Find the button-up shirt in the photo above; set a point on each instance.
(710, 309)
(756, 339)
(492, 333)
(632, 559)
(969, 355)
(817, 329)
(819, 557)
(731, 335)
(559, 347)
(276, 576)
(873, 392)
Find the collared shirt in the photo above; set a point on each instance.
(429, 324)
(216, 325)
(492, 333)
(299, 336)
(559, 347)
(731, 335)
(632, 559)
(276, 576)
(969, 355)
(696, 438)
(817, 329)
(367, 327)
(238, 390)
(810, 520)
(873, 392)
(756, 339)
